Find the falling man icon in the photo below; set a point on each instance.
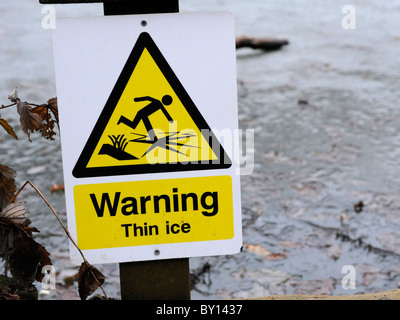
(144, 114)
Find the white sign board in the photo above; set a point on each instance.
(148, 119)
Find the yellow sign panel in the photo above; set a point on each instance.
(149, 124)
(111, 215)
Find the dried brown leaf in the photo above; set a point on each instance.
(261, 251)
(57, 187)
(6, 237)
(22, 254)
(257, 249)
(90, 278)
(15, 212)
(7, 185)
(276, 256)
(48, 130)
(53, 106)
(44, 261)
(8, 128)
(26, 257)
(43, 111)
(30, 121)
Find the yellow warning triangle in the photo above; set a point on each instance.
(149, 124)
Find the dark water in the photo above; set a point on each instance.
(326, 121)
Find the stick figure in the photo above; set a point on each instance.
(144, 113)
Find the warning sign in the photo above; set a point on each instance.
(149, 123)
(154, 212)
(148, 113)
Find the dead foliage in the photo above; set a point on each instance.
(32, 117)
(90, 279)
(23, 256)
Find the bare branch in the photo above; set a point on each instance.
(7, 106)
(267, 44)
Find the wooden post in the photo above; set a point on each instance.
(157, 279)
(140, 7)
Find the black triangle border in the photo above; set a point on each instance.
(145, 41)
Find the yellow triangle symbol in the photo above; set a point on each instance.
(149, 124)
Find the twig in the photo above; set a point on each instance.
(52, 209)
(9, 105)
(62, 224)
(29, 103)
(37, 105)
(266, 44)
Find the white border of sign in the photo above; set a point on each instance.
(89, 54)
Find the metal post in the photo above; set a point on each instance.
(158, 279)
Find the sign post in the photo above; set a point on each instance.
(150, 172)
(157, 279)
